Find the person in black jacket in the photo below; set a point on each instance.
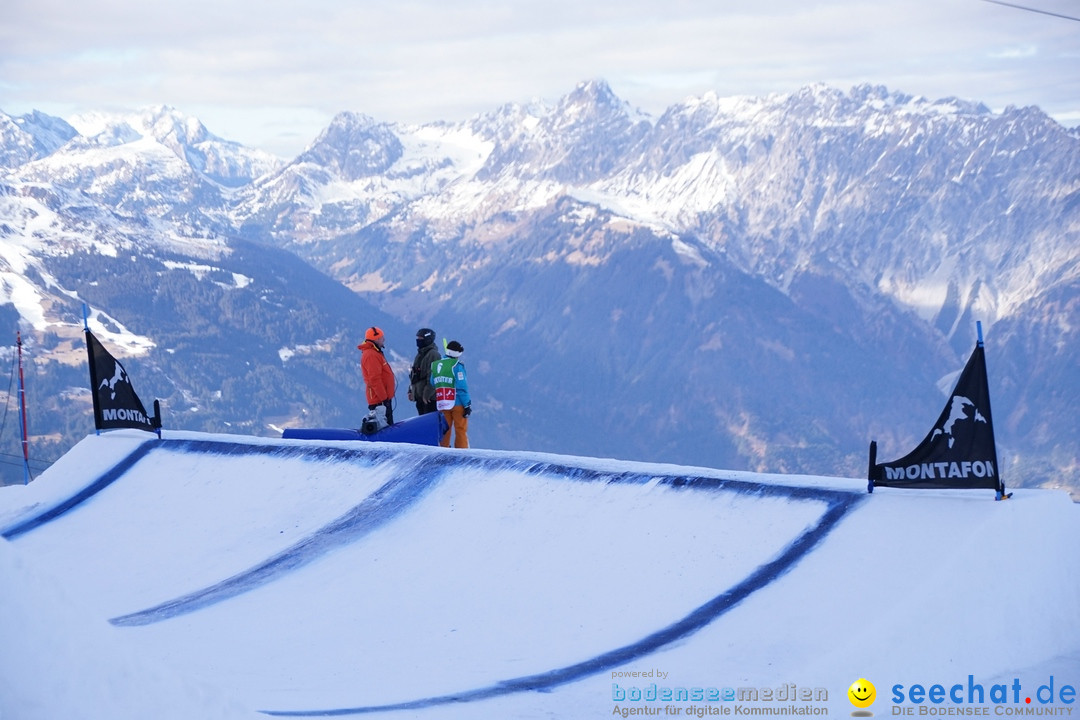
(421, 390)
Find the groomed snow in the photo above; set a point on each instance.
(216, 576)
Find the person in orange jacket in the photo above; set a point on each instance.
(378, 375)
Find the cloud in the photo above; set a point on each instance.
(1015, 52)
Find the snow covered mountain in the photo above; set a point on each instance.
(916, 198)
(760, 283)
(131, 218)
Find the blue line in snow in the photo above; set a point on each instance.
(195, 446)
(379, 508)
(408, 486)
(108, 478)
(839, 505)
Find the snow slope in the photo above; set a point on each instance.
(212, 576)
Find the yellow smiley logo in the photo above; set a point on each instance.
(862, 693)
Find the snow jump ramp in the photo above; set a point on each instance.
(310, 579)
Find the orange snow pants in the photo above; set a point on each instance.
(456, 420)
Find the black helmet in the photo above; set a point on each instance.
(425, 336)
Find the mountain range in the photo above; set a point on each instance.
(762, 283)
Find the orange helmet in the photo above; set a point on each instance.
(374, 334)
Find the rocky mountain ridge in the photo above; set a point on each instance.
(845, 242)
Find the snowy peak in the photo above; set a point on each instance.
(592, 101)
(49, 132)
(31, 136)
(130, 138)
(162, 123)
(585, 136)
(157, 164)
(878, 97)
(169, 126)
(354, 146)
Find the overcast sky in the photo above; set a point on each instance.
(272, 73)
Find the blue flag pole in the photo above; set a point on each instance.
(90, 357)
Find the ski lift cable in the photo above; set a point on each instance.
(18, 460)
(1034, 10)
(46, 463)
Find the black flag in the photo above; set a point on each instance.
(115, 403)
(959, 452)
